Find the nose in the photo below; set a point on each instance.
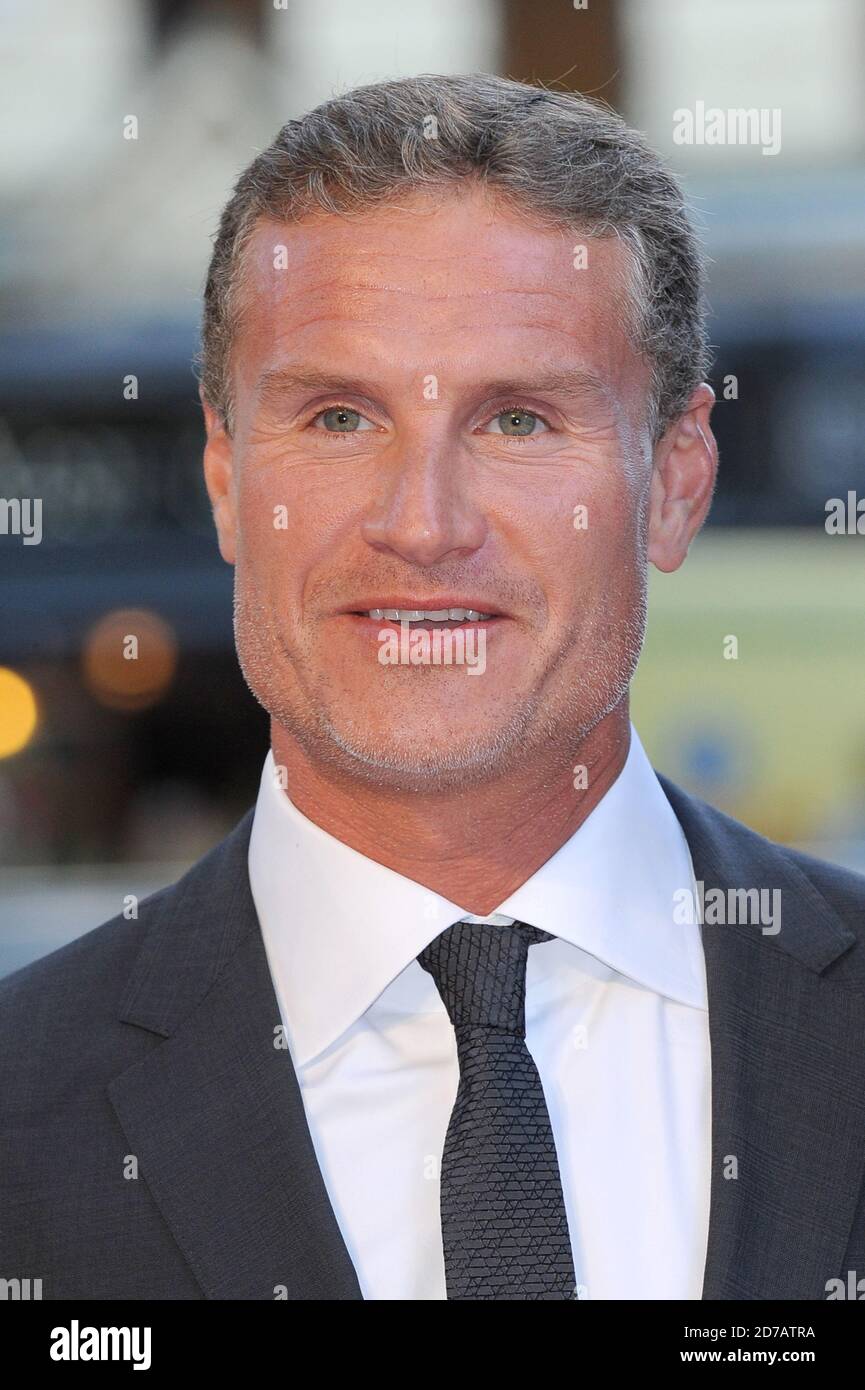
(422, 510)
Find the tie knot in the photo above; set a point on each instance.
(480, 972)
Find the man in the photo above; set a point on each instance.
(436, 1019)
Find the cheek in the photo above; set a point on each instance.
(270, 540)
(258, 522)
(597, 566)
(617, 516)
(292, 523)
(606, 520)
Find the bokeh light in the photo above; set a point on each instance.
(129, 659)
(19, 713)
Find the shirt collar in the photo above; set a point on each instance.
(338, 927)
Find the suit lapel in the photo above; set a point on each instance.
(787, 1030)
(214, 1113)
(215, 1116)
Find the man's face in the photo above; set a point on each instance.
(435, 408)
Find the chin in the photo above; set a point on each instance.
(414, 759)
(417, 759)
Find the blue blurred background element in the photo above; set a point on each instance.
(107, 789)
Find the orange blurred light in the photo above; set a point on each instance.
(129, 659)
(19, 712)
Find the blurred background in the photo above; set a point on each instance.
(126, 127)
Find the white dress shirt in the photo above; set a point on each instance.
(616, 1021)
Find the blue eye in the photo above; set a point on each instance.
(516, 423)
(340, 419)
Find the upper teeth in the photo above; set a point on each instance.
(435, 615)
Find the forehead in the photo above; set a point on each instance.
(457, 280)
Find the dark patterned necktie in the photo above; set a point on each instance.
(504, 1226)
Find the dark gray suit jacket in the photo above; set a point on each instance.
(154, 1038)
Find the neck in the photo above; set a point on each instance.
(472, 846)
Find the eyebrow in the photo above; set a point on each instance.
(279, 382)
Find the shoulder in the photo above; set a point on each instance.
(722, 847)
(64, 1012)
(83, 971)
(844, 888)
(80, 970)
(47, 1007)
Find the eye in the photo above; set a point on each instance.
(341, 419)
(516, 423)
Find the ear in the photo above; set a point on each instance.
(683, 479)
(218, 474)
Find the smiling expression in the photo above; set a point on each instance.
(426, 396)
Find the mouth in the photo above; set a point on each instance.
(441, 614)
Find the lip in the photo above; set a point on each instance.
(432, 604)
(376, 624)
(370, 629)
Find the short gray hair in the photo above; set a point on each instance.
(560, 158)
